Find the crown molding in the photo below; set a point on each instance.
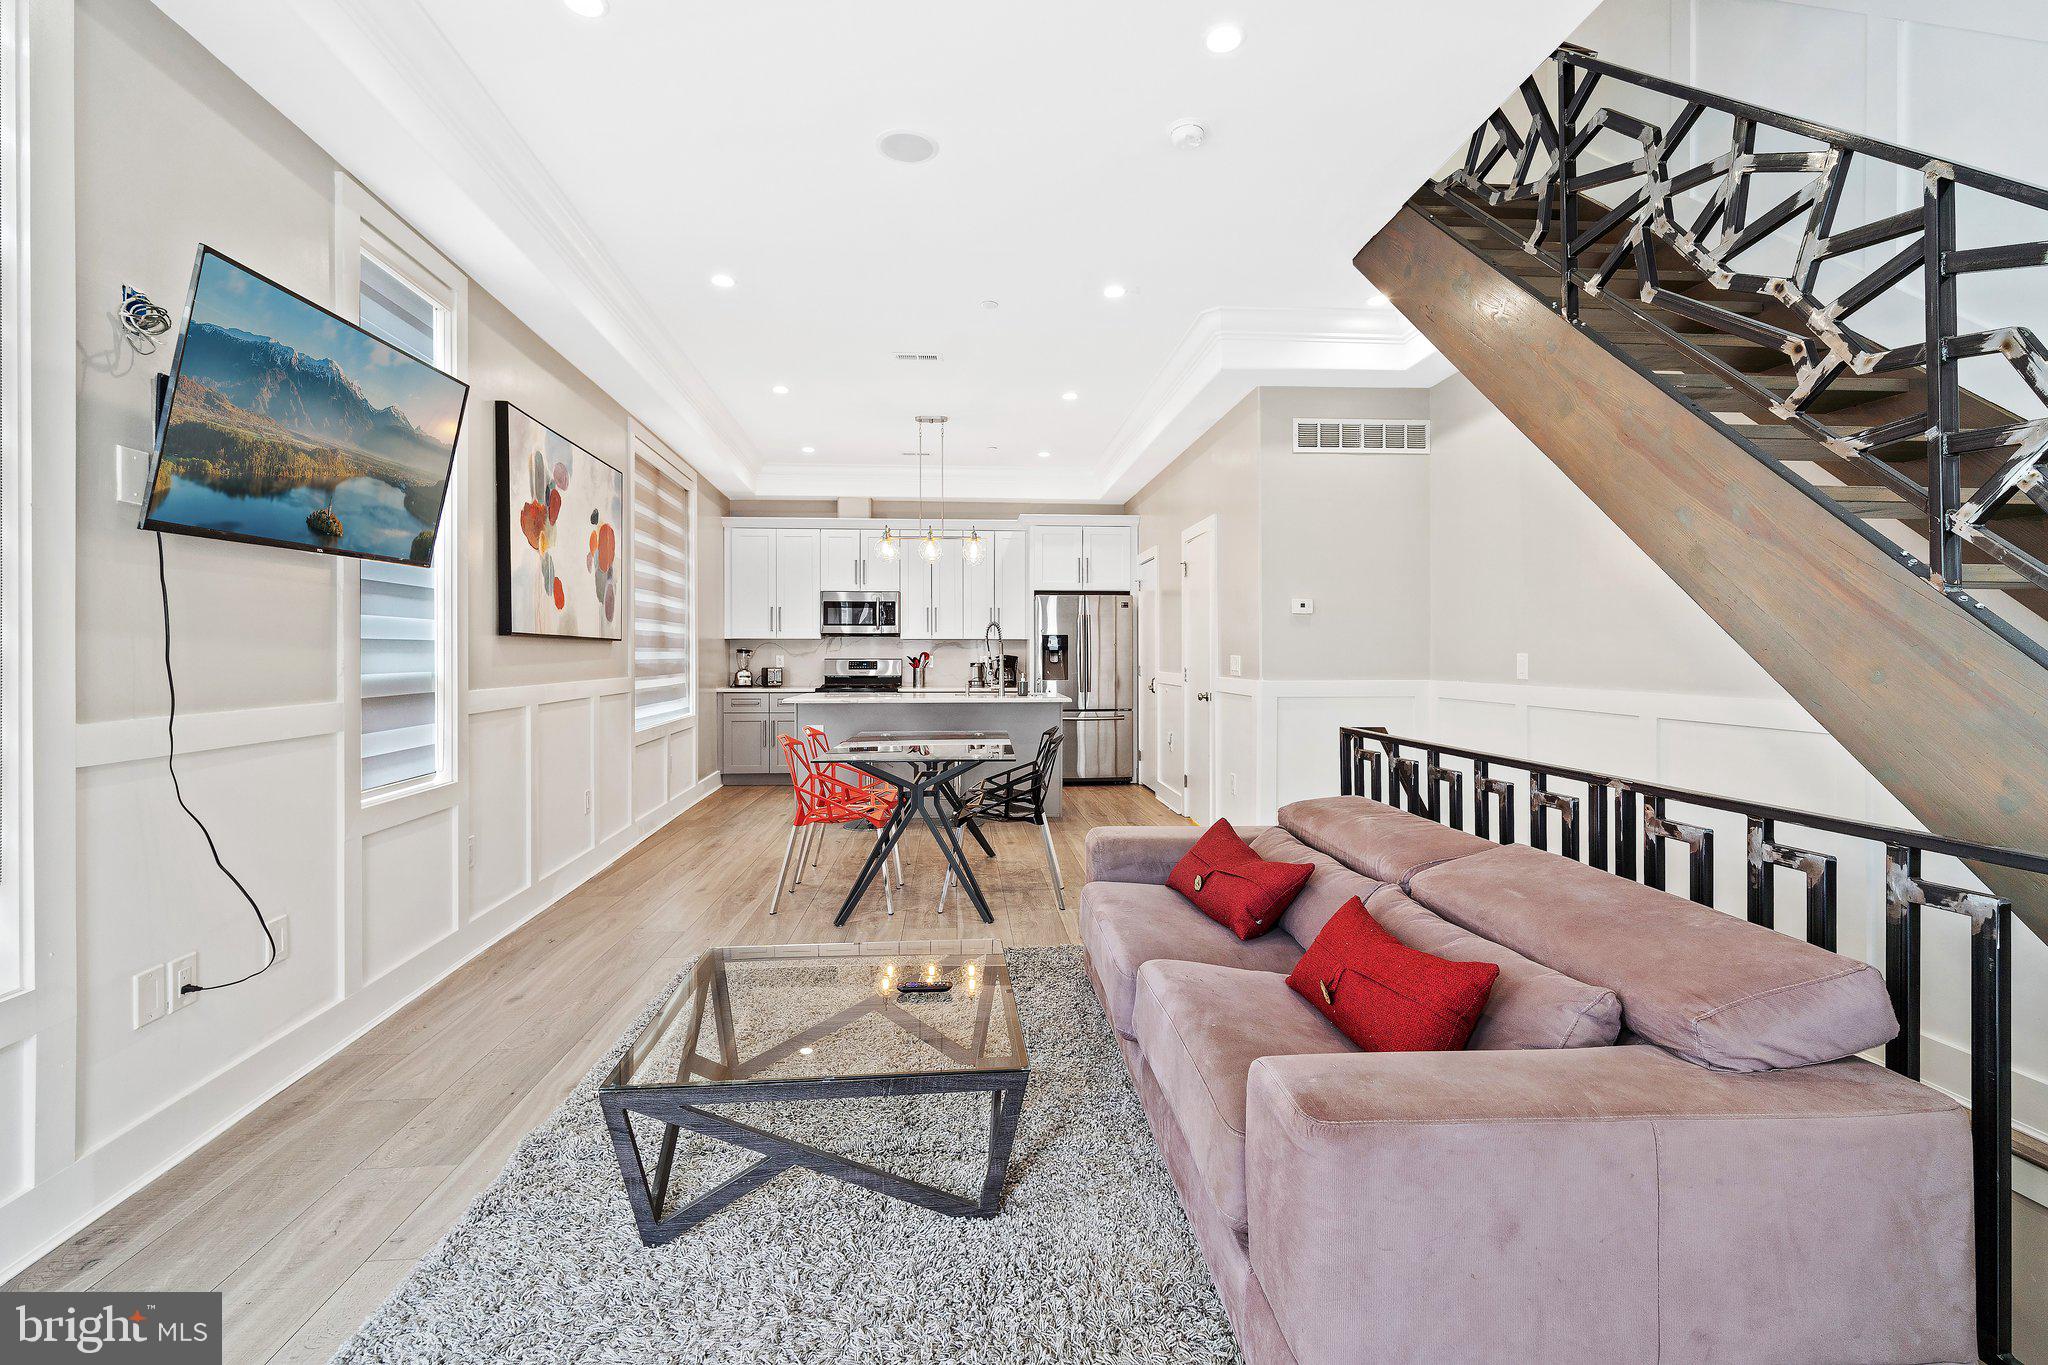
(382, 89)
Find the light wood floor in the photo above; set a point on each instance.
(308, 1212)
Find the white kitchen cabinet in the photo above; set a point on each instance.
(839, 560)
(750, 582)
(771, 583)
(933, 601)
(851, 560)
(1108, 558)
(916, 600)
(1083, 558)
(1011, 563)
(998, 590)
(1056, 553)
(796, 586)
(879, 572)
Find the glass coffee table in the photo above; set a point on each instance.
(816, 1022)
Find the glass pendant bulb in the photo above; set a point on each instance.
(971, 547)
(888, 544)
(931, 545)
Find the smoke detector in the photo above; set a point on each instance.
(1187, 134)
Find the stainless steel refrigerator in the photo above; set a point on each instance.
(1084, 644)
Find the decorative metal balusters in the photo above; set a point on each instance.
(1609, 189)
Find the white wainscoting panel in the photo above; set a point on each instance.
(151, 894)
(564, 781)
(409, 890)
(17, 1110)
(614, 764)
(501, 804)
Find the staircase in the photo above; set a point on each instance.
(1661, 288)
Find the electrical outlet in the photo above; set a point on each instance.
(281, 930)
(1237, 665)
(1522, 668)
(1304, 606)
(131, 474)
(152, 1001)
(778, 661)
(1233, 784)
(472, 850)
(586, 801)
(184, 972)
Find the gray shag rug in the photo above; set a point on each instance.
(1090, 1260)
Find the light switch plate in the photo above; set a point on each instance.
(1237, 665)
(1304, 606)
(1522, 668)
(152, 1001)
(184, 972)
(131, 474)
(281, 930)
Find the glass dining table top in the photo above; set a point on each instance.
(831, 1011)
(922, 746)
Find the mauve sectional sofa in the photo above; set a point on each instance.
(1659, 1144)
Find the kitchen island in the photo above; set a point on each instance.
(1023, 718)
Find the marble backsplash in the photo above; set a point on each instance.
(803, 661)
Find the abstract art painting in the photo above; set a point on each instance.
(561, 521)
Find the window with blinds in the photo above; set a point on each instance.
(662, 653)
(401, 651)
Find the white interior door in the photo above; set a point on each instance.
(1148, 671)
(1198, 651)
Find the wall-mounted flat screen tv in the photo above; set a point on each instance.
(286, 424)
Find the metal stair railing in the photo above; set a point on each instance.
(1684, 192)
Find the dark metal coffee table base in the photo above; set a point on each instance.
(676, 1108)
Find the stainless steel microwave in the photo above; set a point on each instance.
(857, 613)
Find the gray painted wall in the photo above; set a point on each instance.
(1522, 561)
(1348, 532)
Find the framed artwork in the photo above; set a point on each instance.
(561, 527)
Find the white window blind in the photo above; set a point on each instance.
(662, 652)
(400, 608)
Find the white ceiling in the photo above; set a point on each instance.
(595, 174)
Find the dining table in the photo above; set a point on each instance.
(922, 767)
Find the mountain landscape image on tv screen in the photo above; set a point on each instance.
(290, 426)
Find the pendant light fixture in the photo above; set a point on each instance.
(931, 538)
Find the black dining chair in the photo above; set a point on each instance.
(1017, 796)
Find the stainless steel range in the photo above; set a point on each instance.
(862, 675)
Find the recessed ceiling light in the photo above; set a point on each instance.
(780, 388)
(991, 303)
(1224, 38)
(1114, 291)
(906, 147)
(1045, 454)
(810, 450)
(723, 281)
(589, 9)
(1070, 395)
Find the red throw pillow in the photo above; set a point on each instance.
(1386, 996)
(1233, 885)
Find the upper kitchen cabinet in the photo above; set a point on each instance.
(851, 560)
(772, 581)
(1083, 558)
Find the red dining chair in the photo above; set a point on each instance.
(823, 799)
(812, 846)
